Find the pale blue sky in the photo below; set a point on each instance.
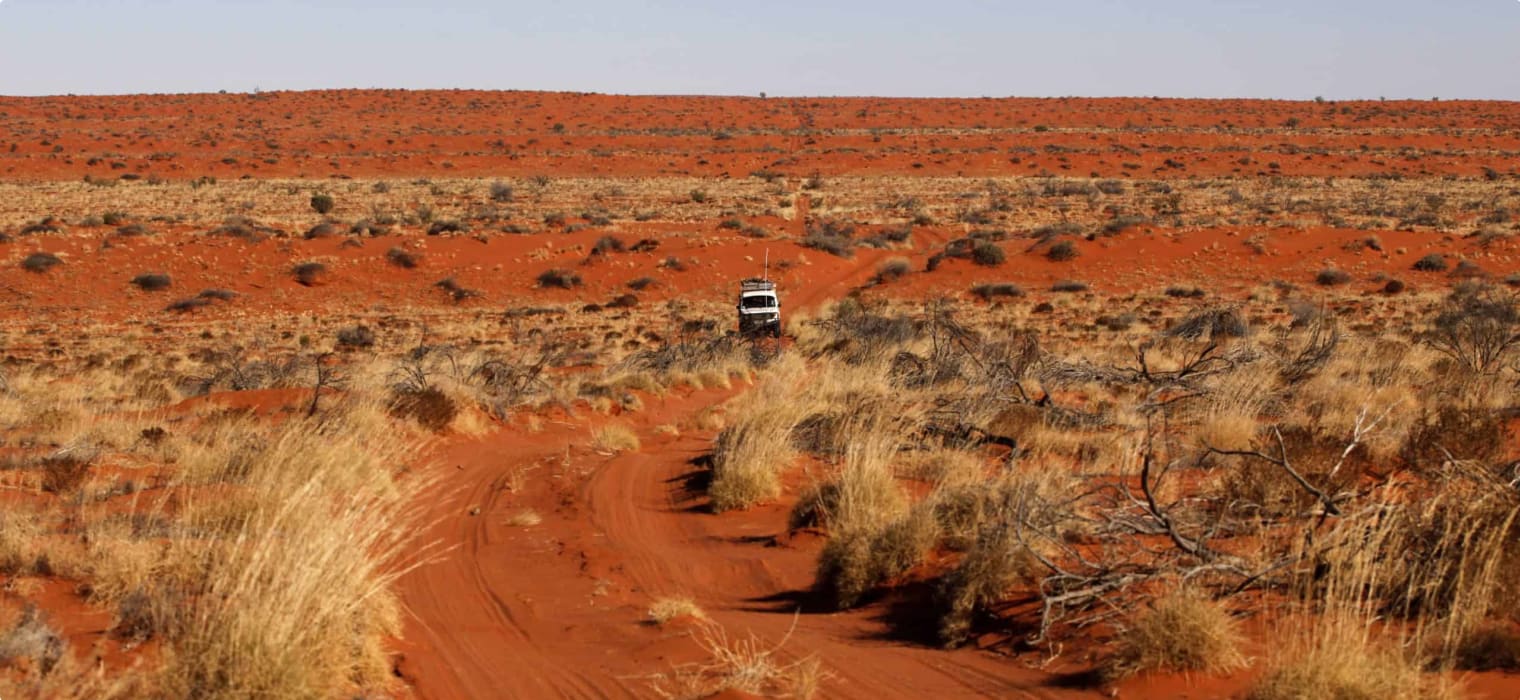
(1184, 48)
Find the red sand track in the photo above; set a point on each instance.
(556, 609)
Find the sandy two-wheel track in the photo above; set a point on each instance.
(558, 608)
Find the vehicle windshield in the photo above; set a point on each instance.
(758, 302)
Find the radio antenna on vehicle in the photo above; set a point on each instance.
(766, 274)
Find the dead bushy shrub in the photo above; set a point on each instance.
(1210, 325)
(1271, 491)
(1479, 328)
(34, 640)
(65, 471)
(858, 333)
(833, 237)
(1454, 431)
(153, 610)
(359, 336)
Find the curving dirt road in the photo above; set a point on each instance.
(557, 608)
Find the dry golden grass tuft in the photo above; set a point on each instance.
(747, 665)
(615, 437)
(1180, 632)
(756, 447)
(299, 589)
(667, 430)
(669, 608)
(1343, 663)
(525, 518)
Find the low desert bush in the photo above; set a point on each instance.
(429, 407)
(326, 229)
(438, 228)
(1062, 251)
(608, 244)
(1492, 647)
(832, 238)
(996, 290)
(322, 203)
(456, 291)
(893, 269)
(187, 305)
(310, 274)
(1434, 262)
(1068, 286)
(558, 278)
(151, 282)
(501, 192)
(1331, 277)
(402, 258)
(359, 336)
(988, 254)
(40, 262)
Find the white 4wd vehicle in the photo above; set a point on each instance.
(759, 308)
